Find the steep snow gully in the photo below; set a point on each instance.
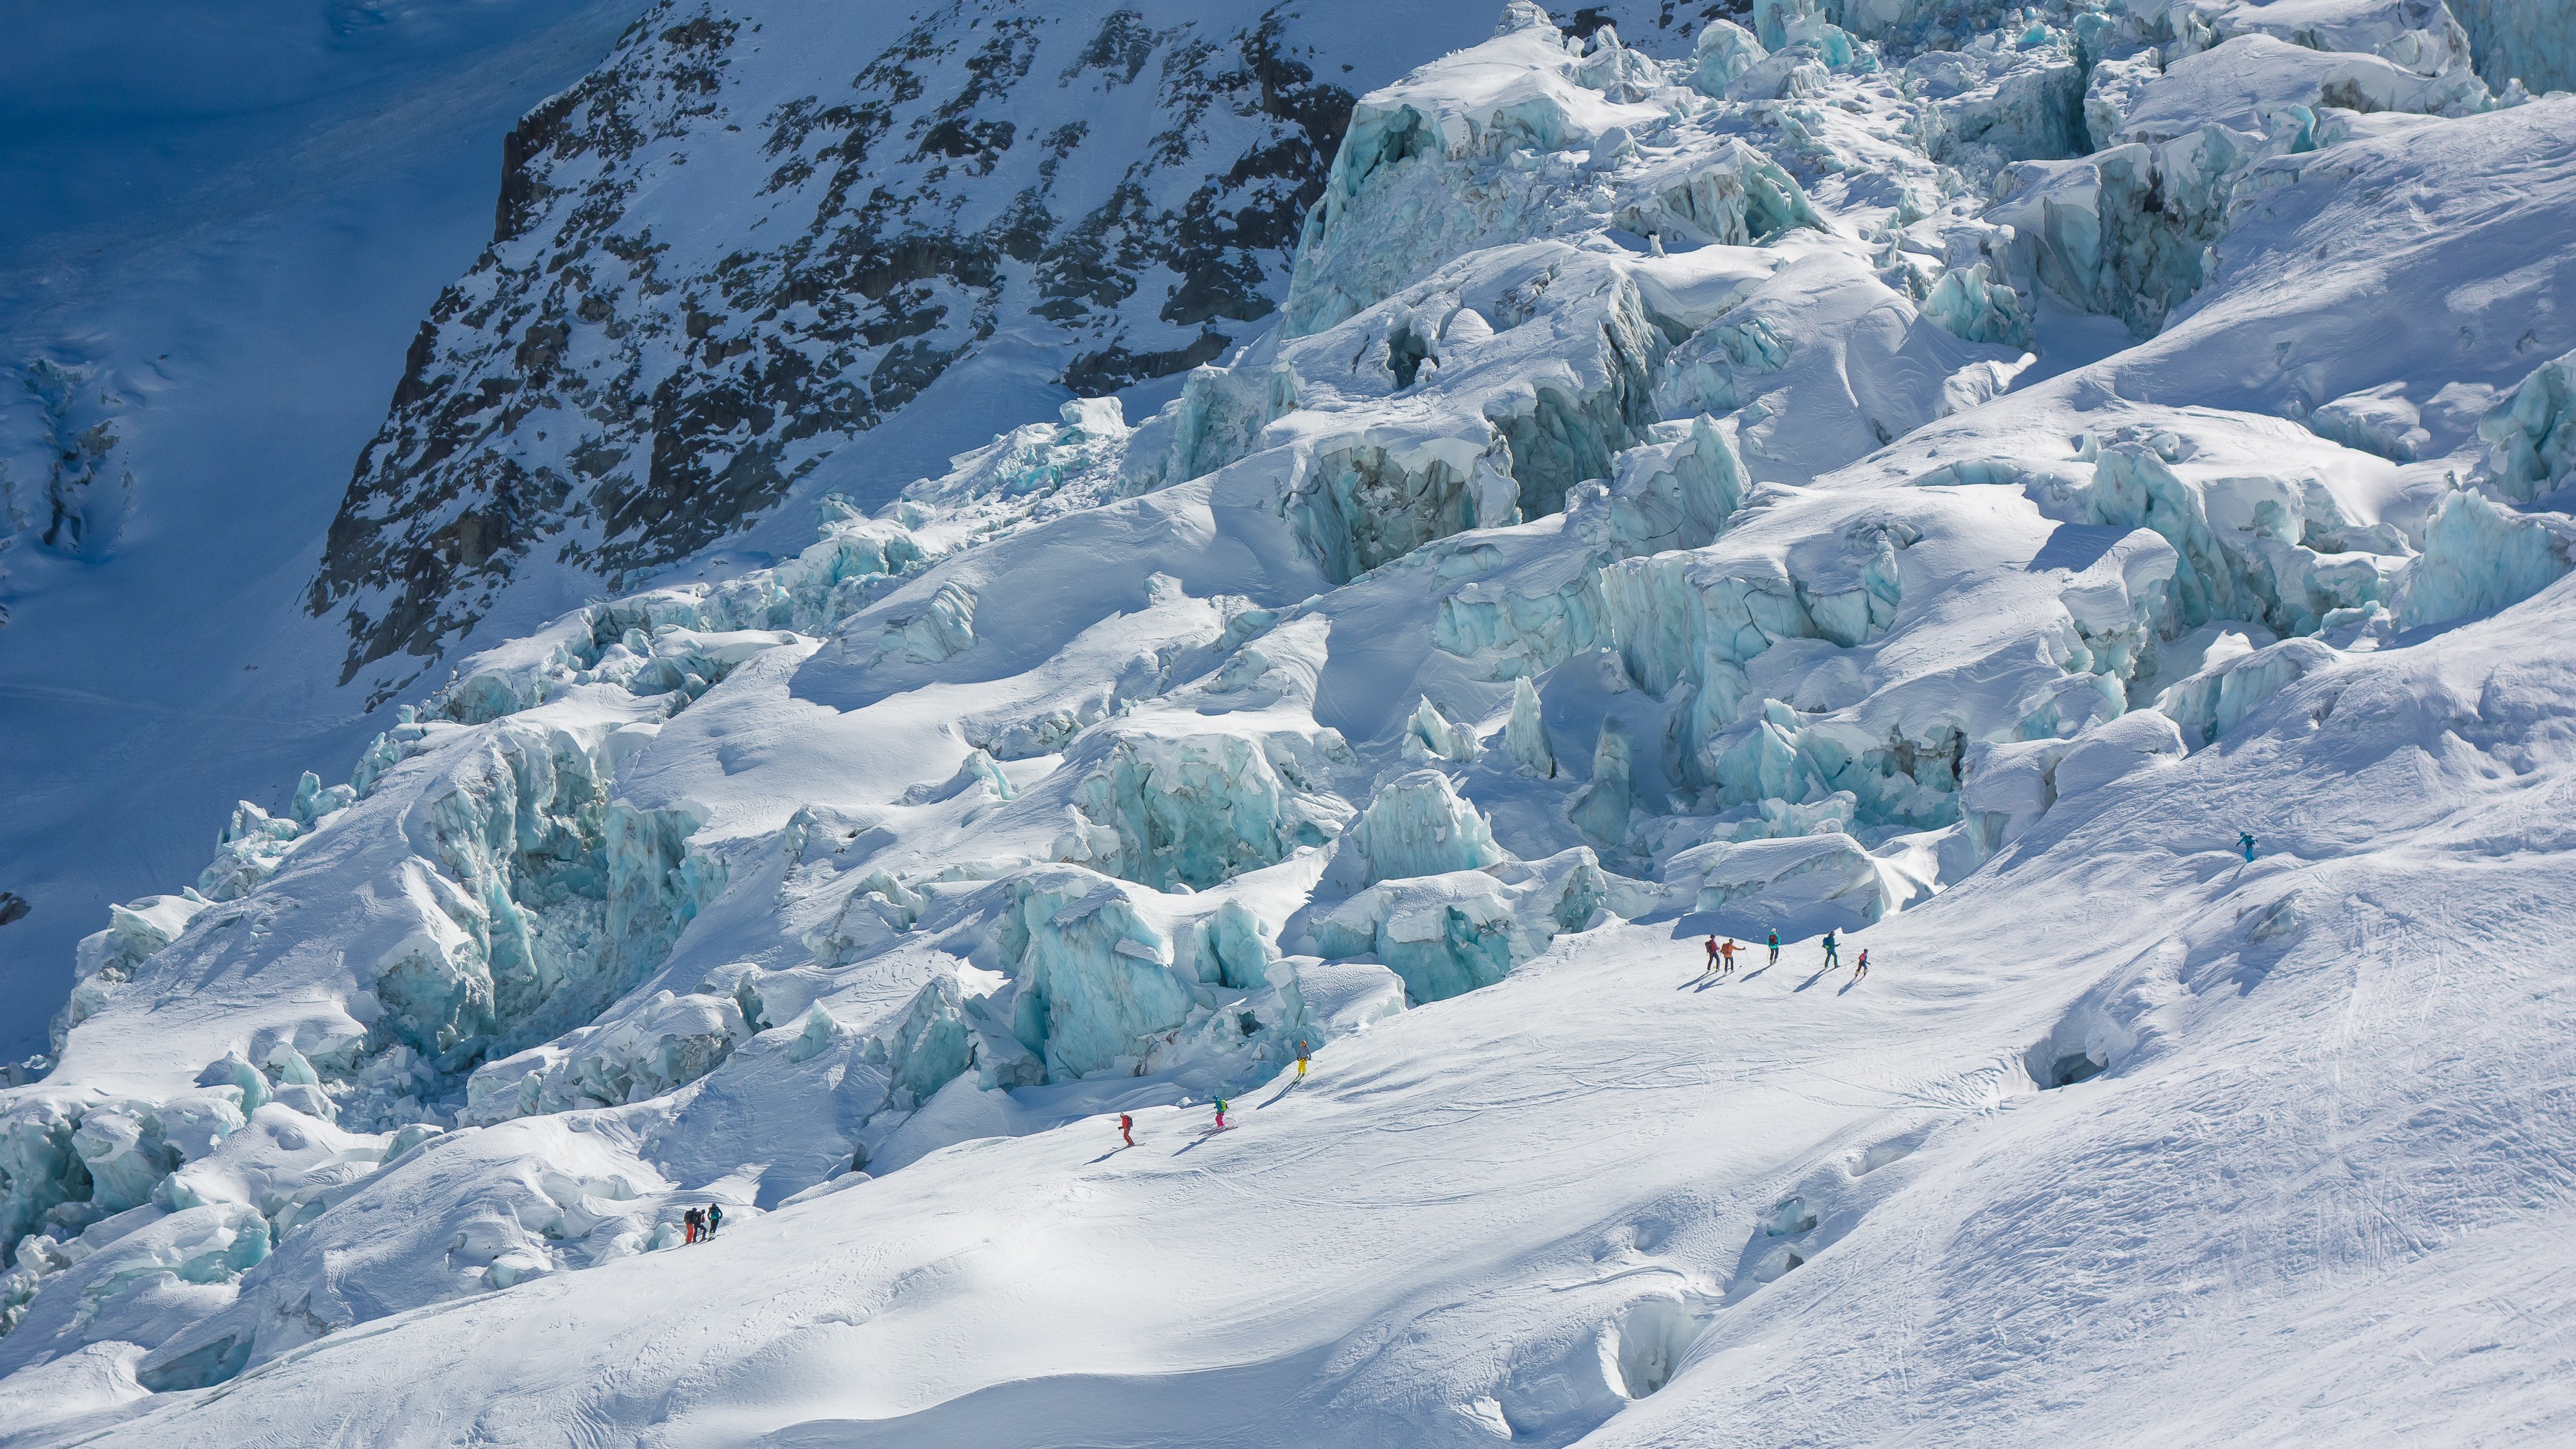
(1934, 474)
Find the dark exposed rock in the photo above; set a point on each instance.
(1112, 368)
(713, 264)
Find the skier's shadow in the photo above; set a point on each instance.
(1847, 987)
(1104, 1157)
(1203, 1137)
(1293, 1084)
(1812, 980)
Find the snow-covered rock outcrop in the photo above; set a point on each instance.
(1128, 182)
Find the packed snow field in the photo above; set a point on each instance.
(2072, 502)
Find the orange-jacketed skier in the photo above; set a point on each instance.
(1726, 958)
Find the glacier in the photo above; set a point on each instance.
(1935, 475)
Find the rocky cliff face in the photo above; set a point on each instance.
(758, 230)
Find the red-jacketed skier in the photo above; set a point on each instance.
(1710, 969)
(1860, 968)
(1127, 1128)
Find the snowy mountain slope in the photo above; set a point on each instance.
(234, 232)
(760, 230)
(221, 227)
(1658, 544)
(1525, 1209)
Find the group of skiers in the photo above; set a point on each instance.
(1721, 956)
(699, 1224)
(1721, 962)
(1127, 1121)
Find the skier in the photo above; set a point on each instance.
(1220, 1111)
(715, 1217)
(689, 1225)
(2245, 842)
(1127, 1128)
(1301, 1061)
(1833, 954)
(1860, 968)
(1726, 958)
(1710, 969)
(1775, 948)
